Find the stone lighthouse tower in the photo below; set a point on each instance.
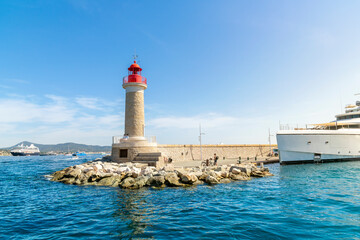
(134, 84)
(133, 146)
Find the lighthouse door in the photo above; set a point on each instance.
(123, 153)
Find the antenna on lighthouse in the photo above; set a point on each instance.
(135, 56)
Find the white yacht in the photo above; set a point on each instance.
(22, 150)
(338, 140)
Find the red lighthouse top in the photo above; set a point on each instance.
(135, 67)
(134, 75)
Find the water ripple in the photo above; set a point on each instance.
(299, 202)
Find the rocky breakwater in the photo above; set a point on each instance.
(135, 176)
(5, 153)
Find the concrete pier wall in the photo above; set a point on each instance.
(192, 152)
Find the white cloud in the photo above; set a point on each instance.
(91, 103)
(7, 128)
(218, 128)
(16, 80)
(113, 120)
(55, 98)
(96, 103)
(5, 86)
(210, 120)
(24, 111)
(54, 119)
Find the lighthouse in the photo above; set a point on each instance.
(134, 84)
(133, 146)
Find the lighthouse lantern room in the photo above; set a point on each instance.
(134, 75)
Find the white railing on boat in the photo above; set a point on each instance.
(292, 127)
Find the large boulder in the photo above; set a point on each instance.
(219, 169)
(67, 180)
(264, 172)
(135, 172)
(198, 182)
(180, 172)
(79, 166)
(141, 182)
(198, 173)
(214, 174)
(140, 165)
(211, 180)
(168, 168)
(172, 180)
(73, 173)
(112, 181)
(240, 169)
(58, 175)
(156, 181)
(246, 170)
(88, 175)
(87, 169)
(127, 182)
(147, 171)
(188, 178)
(240, 176)
(203, 176)
(225, 180)
(109, 168)
(97, 176)
(77, 181)
(97, 167)
(224, 174)
(235, 170)
(267, 172)
(159, 173)
(122, 169)
(257, 173)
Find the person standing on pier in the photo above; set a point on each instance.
(215, 159)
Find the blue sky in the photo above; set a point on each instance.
(236, 67)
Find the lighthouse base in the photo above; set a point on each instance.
(137, 150)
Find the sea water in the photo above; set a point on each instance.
(313, 201)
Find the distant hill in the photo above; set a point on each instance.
(65, 147)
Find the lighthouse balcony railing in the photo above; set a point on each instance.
(151, 139)
(134, 78)
(119, 139)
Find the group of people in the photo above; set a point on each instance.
(216, 158)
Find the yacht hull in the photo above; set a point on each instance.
(24, 154)
(313, 146)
